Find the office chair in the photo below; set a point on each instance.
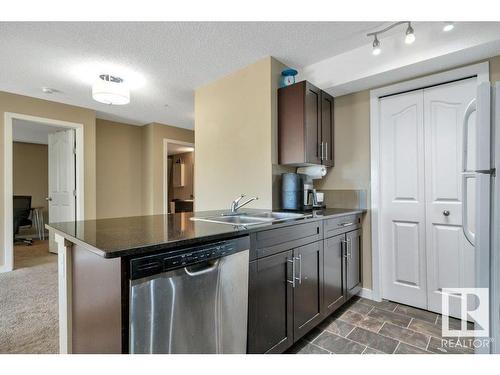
(21, 214)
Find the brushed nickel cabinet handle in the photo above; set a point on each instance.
(346, 224)
(293, 272)
(299, 258)
(344, 244)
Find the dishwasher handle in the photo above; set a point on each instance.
(196, 270)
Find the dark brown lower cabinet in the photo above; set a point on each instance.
(308, 288)
(292, 291)
(270, 315)
(334, 273)
(285, 294)
(353, 262)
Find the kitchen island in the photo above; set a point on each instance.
(94, 258)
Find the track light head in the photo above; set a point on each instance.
(448, 26)
(410, 34)
(376, 46)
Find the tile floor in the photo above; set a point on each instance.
(367, 327)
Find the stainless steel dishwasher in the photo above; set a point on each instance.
(193, 300)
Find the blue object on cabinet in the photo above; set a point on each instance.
(288, 77)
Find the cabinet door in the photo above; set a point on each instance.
(327, 128)
(333, 273)
(307, 293)
(312, 124)
(270, 325)
(353, 261)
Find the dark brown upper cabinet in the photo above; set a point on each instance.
(305, 125)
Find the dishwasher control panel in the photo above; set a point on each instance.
(153, 264)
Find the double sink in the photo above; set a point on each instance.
(251, 218)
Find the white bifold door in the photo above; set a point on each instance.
(62, 182)
(423, 245)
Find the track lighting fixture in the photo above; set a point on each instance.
(409, 35)
(376, 46)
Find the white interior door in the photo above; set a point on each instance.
(62, 182)
(402, 212)
(450, 257)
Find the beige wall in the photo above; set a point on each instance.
(152, 163)
(52, 110)
(277, 170)
(352, 160)
(494, 68)
(352, 154)
(30, 172)
(119, 169)
(235, 122)
(130, 167)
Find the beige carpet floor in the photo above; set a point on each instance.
(28, 302)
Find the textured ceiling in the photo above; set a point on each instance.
(163, 62)
(32, 132)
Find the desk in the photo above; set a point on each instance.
(38, 221)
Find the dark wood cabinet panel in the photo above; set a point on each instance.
(353, 241)
(334, 273)
(339, 225)
(270, 320)
(291, 118)
(305, 125)
(308, 290)
(277, 240)
(327, 129)
(312, 124)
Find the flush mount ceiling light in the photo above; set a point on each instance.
(109, 89)
(409, 35)
(448, 26)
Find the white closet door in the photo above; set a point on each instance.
(403, 199)
(450, 257)
(62, 201)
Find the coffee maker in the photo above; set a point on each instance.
(298, 193)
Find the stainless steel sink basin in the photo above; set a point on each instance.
(233, 220)
(249, 218)
(278, 215)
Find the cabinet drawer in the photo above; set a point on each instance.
(276, 240)
(342, 224)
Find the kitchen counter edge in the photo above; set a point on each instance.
(152, 248)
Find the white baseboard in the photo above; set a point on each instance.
(366, 293)
(5, 268)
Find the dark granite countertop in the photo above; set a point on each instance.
(118, 237)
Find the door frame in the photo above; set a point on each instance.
(480, 70)
(8, 264)
(166, 141)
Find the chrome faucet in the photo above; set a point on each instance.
(235, 205)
